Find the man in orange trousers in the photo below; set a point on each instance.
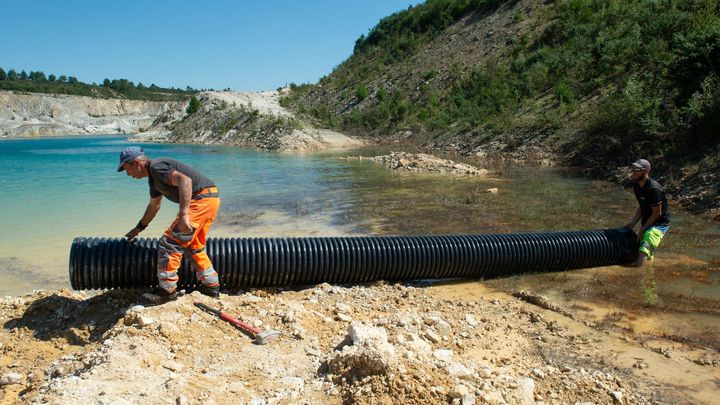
(198, 200)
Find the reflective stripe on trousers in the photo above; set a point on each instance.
(651, 239)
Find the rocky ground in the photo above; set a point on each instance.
(423, 163)
(381, 343)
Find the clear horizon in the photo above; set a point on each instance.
(217, 44)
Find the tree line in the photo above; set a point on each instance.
(38, 82)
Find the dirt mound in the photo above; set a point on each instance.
(360, 344)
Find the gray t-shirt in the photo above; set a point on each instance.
(160, 171)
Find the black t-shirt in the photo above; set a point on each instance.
(648, 196)
(160, 171)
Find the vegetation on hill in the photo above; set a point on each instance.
(38, 82)
(649, 68)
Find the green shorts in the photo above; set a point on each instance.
(651, 240)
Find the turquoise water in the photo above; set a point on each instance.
(58, 188)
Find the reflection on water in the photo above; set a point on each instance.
(68, 187)
(685, 276)
(693, 287)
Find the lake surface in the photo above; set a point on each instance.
(56, 189)
(60, 188)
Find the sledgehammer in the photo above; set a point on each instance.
(261, 336)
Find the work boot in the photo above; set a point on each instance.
(158, 296)
(213, 292)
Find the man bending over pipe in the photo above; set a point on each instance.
(653, 210)
(199, 202)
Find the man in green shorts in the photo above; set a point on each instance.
(653, 211)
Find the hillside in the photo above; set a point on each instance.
(251, 120)
(592, 84)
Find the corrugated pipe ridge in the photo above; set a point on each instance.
(104, 263)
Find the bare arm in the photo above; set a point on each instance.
(656, 212)
(634, 220)
(150, 212)
(184, 183)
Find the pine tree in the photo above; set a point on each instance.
(193, 105)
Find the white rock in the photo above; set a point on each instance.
(431, 320)
(526, 388)
(296, 383)
(493, 397)
(443, 328)
(236, 387)
(485, 371)
(344, 318)
(459, 391)
(460, 371)
(172, 365)
(249, 297)
(443, 354)
(432, 336)
(415, 342)
(116, 401)
(135, 308)
(470, 320)
(538, 373)
(360, 332)
(617, 397)
(144, 320)
(371, 337)
(10, 379)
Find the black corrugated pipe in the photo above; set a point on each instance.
(100, 263)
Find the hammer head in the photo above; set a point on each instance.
(266, 336)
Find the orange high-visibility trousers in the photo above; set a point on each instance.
(172, 245)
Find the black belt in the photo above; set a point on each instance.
(209, 192)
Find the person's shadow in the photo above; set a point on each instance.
(78, 322)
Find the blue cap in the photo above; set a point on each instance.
(129, 154)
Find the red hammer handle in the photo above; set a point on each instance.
(241, 324)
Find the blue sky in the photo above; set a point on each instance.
(244, 45)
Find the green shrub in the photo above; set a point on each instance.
(193, 106)
(564, 92)
(361, 91)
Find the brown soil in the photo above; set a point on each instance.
(452, 343)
